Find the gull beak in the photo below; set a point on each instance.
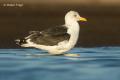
(82, 19)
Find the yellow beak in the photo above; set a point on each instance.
(83, 19)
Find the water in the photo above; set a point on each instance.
(94, 64)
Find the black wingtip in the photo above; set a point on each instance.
(20, 41)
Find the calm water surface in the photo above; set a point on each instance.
(93, 64)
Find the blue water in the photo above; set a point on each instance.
(93, 64)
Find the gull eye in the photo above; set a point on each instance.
(75, 15)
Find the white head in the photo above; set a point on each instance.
(73, 16)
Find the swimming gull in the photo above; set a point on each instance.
(56, 40)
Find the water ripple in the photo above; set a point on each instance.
(101, 63)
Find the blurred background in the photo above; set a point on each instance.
(17, 17)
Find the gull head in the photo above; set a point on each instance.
(73, 16)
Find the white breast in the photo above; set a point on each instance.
(74, 32)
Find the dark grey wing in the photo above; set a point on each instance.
(55, 31)
(51, 36)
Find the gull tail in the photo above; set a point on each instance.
(20, 41)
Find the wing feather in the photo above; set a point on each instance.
(51, 36)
